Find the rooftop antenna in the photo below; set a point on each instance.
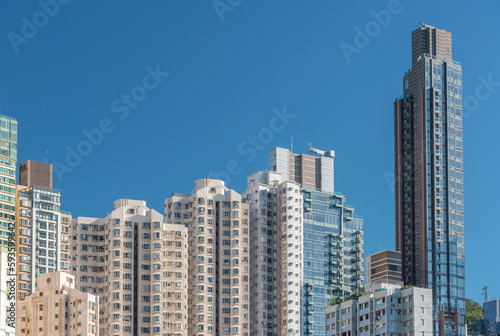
(485, 293)
(320, 152)
(422, 24)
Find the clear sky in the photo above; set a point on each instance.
(172, 91)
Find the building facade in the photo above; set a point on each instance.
(42, 229)
(57, 308)
(489, 325)
(137, 266)
(306, 245)
(385, 310)
(217, 220)
(307, 170)
(333, 255)
(384, 267)
(429, 177)
(276, 249)
(8, 279)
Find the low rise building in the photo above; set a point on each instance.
(489, 325)
(385, 310)
(57, 308)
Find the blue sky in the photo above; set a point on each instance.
(225, 78)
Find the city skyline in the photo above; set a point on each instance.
(152, 151)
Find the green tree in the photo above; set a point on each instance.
(474, 312)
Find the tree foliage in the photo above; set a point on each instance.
(474, 312)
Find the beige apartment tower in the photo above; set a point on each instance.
(57, 308)
(218, 299)
(137, 266)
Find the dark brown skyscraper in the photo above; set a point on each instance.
(429, 177)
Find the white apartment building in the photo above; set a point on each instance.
(306, 244)
(384, 310)
(42, 236)
(277, 254)
(137, 265)
(57, 308)
(218, 299)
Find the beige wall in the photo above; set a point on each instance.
(218, 257)
(57, 308)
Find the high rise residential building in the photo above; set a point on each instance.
(385, 309)
(8, 159)
(383, 267)
(42, 229)
(137, 266)
(277, 254)
(333, 255)
(57, 308)
(218, 257)
(306, 245)
(429, 172)
(307, 170)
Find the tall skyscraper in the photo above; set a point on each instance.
(306, 244)
(137, 266)
(218, 257)
(8, 159)
(42, 229)
(429, 177)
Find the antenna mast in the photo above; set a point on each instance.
(485, 293)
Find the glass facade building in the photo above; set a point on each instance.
(306, 244)
(333, 255)
(8, 159)
(429, 177)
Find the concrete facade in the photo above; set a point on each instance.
(219, 272)
(42, 236)
(276, 254)
(307, 170)
(137, 266)
(34, 173)
(57, 308)
(385, 310)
